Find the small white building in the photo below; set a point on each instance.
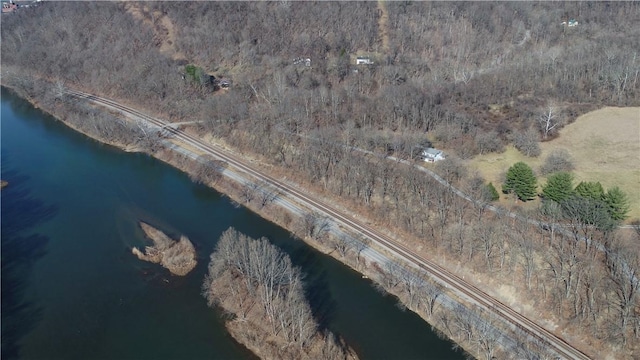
(305, 61)
(570, 23)
(363, 60)
(432, 155)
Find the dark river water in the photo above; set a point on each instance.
(71, 289)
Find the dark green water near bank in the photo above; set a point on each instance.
(71, 289)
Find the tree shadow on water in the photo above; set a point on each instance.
(20, 212)
(323, 306)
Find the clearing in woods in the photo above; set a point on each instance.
(383, 26)
(604, 144)
(162, 26)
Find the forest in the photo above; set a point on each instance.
(472, 77)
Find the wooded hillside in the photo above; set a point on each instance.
(470, 77)
(460, 73)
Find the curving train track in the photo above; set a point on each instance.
(470, 292)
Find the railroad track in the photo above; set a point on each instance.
(471, 292)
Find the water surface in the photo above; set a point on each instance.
(71, 289)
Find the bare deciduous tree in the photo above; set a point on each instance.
(487, 337)
(267, 194)
(428, 295)
(248, 192)
(623, 270)
(207, 169)
(315, 225)
(527, 142)
(558, 160)
(549, 120)
(340, 244)
(359, 245)
(269, 280)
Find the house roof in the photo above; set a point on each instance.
(432, 152)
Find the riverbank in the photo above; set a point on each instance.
(287, 220)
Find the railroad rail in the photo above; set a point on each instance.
(555, 343)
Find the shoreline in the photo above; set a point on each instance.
(282, 217)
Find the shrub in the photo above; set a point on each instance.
(558, 160)
(489, 142)
(527, 142)
(492, 192)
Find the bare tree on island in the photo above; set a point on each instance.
(270, 304)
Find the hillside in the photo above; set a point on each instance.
(458, 72)
(471, 78)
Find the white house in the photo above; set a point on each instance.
(362, 60)
(305, 61)
(432, 155)
(570, 23)
(8, 7)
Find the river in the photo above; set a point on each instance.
(71, 289)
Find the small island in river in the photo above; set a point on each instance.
(179, 257)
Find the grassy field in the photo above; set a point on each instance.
(605, 146)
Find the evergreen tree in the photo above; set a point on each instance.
(521, 181)
(588, 211)
(617, 203)
(590, 190)
(559, 187)
(492, 192)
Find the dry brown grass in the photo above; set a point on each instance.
(383, 25)
(179, 257)
(605, 146)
